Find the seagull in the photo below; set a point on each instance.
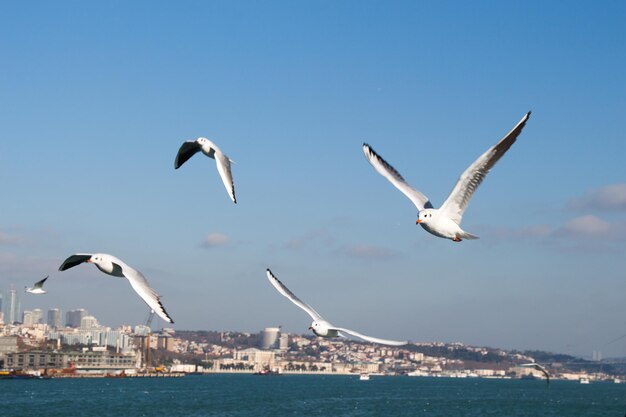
(320, 326)
(38, 287)
(539, 368)
(191, 147)
(445, 221)
(113, 266)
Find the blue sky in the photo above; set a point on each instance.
(96, 98)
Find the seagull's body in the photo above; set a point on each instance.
(191, 147)
(445, 221)
(111, 265)
(539, 368)
(37, 288)
(319, 326)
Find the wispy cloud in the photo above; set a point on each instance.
(369, 252)
(214, 240)
(607, 198)
(9, 239)
(314, 237)
(588, 232)
(591, 227)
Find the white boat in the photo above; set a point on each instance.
(364, 377)
(584, 380)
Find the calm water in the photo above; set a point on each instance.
(296, 395)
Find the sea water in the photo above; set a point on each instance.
(244, 395)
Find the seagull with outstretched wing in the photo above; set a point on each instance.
(539, 368)
(37, 288)
(445, 221)
(320, 326)
(113, 266)
(191, 147)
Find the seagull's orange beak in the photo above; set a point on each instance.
(418, 221)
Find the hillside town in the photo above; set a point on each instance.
(41, 346)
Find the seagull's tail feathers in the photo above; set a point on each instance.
(468, 236)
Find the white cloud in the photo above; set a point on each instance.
(590, 226)
(214, 240)
(608, 198)
(583, 228)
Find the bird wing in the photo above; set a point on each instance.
(544, 370)
(291, 296)
(141, 287)
(39, 284)
(74, 260)
(473, 176)
(371, 339)
(539, 368)
(186, 151)
(394, 177)
(223, 167)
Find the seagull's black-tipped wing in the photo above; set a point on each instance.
(468, 182)
(144, 290)
(386, 170)
(539, 368)
(39, 284)
(291, 296)
(74, 260)
(186, 151)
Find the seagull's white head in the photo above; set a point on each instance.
(319, 328)
(103, 262)
(95, 259)
(202, 141)
(425, 216)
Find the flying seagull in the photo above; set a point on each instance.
(191, 147)
(113, 266)
(38, 287)
(320, 326)
(539, 368)
(445, 221)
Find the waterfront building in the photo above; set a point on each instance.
(54, 318)
(11, 307)
(28, 318)
(8, 344)
(260, 359)
(283, 342)
(86, 360)
(142, 330)
(37, 316)
(165, 342)
(88, 323)
(269, 337)
(102, 336)
(74, 317)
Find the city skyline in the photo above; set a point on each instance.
(96, 99)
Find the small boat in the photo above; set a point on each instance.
(364, 377)
(19, 375)
(266, 372)
(584, 380)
